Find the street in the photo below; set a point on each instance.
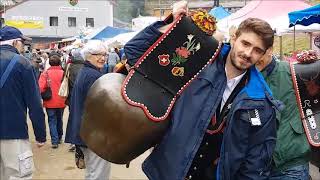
(59, 163)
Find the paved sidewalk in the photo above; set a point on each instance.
(59, 163)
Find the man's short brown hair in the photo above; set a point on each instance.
(258, 26)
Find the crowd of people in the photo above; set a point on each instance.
(27, 81)
(263, 137)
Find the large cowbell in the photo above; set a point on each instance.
(125, 116)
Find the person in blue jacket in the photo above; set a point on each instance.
(94, 55)
(230, 88)
(19, 94)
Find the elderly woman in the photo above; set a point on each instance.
(94, 55)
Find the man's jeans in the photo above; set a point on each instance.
(300, 172)
(55, 124)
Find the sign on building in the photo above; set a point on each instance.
(73, 2)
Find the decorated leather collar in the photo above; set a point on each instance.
(167, 68)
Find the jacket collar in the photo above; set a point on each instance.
(88, 64)
(225, 50)
(256, 87)
(9, 48)
(270, 67)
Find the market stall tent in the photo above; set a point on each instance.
(305, 17)
(120, 40)
(106, 33)
(263, 9)
(219, 13)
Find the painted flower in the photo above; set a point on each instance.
(190, 36)
(183, 52)
(164, 59)
(197, 47)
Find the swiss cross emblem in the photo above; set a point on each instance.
(164, 59)
(73, 2)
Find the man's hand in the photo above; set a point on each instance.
(40, 144)
(178, 8)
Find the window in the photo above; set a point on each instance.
(89, 22)
(161, 12)
(53, 21)
(72, 22)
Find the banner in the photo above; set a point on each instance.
(25, 24)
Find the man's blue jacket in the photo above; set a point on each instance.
(246, 150)
(19, 93)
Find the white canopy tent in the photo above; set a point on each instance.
(143, 21)
(281, 25)
(274, 12)
(120, 40)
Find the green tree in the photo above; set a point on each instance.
(126, 10)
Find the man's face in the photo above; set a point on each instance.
(265, 60)
(98, 60)
(246, 50)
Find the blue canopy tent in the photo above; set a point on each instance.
(107, 32)
(305, 17)
(219, 12)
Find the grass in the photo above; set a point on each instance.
(302, 40)
(302, 43)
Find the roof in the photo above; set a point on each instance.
(306, 16)
(107, 32)
(263, 9)
(13, 4)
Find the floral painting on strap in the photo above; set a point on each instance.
(181, 55)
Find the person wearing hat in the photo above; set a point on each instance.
(19, 92)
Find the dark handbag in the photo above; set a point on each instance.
(47, 94)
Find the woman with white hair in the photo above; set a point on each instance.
(94, 55)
